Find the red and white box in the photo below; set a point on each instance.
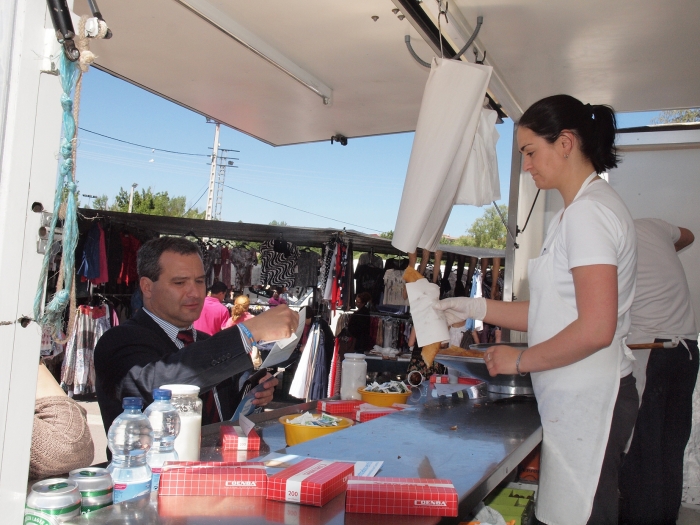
(339, 407)
(364, 415)
(239, 456)
(235, 438)
(403, 496)
(442, 379)
(212, 478)
(310, 482)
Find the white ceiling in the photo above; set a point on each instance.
(633, 54)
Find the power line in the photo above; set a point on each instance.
(200, 198)
(142, 146)
(299, 209)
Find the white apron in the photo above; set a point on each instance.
(575, 402)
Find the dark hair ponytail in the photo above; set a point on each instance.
(595, 126)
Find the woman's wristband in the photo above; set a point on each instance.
(517, 363)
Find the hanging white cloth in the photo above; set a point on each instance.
(480, 184)
(447, 123)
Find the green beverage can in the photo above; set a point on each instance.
(52, 501)
(95, 485)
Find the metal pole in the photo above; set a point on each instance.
(212, 175)
(509, 272)
(131, 197)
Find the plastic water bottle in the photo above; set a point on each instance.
(129, 438)
(165, 422)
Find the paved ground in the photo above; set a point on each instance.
(687, 516)
(99, 438)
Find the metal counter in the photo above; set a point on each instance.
(474, 443)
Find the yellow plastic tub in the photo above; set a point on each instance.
(296, 434)
(380, 399)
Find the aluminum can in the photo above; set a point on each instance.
(96, 487)
(52, 502)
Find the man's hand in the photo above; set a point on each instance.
(277, 323)
(263, 397)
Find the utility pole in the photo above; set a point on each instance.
(224, 162)
(131, 197)
(212, 174)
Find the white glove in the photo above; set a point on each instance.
(458, 309)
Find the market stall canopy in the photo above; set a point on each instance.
(636, 55)
(240, 231)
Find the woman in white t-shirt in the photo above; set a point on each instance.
(581, 291)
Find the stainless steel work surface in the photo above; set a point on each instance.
(474, 443)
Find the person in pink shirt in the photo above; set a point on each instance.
(214, 314)
(240, 312)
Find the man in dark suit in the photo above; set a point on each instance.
(159, 346)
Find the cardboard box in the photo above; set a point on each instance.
(212, 478)
(339, 407)
(239, 456)
(234, 438)
(443, 379)
(407, 496)
(310, 482)
(366, 415)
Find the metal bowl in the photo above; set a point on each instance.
(476, 367)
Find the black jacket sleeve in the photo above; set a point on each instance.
(134, 358)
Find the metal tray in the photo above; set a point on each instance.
(476, 367)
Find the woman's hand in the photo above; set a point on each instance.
(501, 359)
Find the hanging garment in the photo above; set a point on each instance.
(445, 286)
(443, 142)
(90, 266)
(475, 324)
(307, 270)
(243, 260)
(255, 275)
(78, 370)
(130, 246)
(369, 279)
(225, 267)
(394, 288)
(328, 289)
(370, 258)
(302, 377)
(334, 377)
(104, 268)
(278, 266)
(480, 184)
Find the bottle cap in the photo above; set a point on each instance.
(162, 393)
(132, 402)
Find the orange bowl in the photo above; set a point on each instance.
(296, 434)
(381, 399)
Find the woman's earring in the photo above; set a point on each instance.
(566, 156)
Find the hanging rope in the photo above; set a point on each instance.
(65, 198)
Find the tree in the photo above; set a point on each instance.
(149, 203)
(387, 235)
(280, 223)
(678, 116)
(487, 231)
(100, 203)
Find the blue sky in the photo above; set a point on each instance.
(359, 185)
